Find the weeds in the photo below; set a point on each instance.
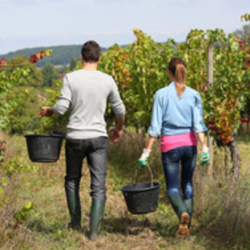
(218, 222)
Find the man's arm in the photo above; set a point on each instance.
(120, 122)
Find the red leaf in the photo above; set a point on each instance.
(33, 59)
(3, 63)
(42, 54)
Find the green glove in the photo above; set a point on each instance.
(144, 157)
(205, 157)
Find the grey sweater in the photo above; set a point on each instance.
(87, 92)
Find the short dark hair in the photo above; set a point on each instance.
(91, 51)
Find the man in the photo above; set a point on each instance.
(86, 92)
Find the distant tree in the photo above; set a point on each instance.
(243, 34)
(73, 63)
(49, 75)
(63, 69)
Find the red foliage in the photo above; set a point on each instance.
(33, 58)
(241, 43)
(3, 63)
(39, 55)
(244, 120)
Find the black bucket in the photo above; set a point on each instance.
(44, 147)
(142, 198)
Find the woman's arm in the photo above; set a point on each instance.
(150, 143)
(202, 139)
(205, 157)
(146, 152)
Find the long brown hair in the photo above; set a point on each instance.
(178, 69)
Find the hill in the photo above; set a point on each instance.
(61, 54)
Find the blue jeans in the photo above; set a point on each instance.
(96, 151)
(171, 164)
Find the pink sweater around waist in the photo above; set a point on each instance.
(169, 142)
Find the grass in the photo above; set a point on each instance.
(218, 222)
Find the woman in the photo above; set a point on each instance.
(177, 116)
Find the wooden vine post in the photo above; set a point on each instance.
(210, 84)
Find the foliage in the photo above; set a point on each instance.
(23, 213)
(35, 76)
(73, 63)
(12, 166)
(28, 102)
(245, 17)
(54, 123)
(49, 75)
(20, 77)
(224, 100)
(7, 80)
(140, 70)
(243, 34)
(213, 216)
(62, 70)
(11, 75)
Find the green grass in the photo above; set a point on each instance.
(46, 226)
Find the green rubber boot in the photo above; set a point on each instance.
(97, 210)
(180, 209)
(74, 206)
(189, 208)
(177, 204)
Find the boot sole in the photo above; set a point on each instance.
(75, 228)
(183, 229)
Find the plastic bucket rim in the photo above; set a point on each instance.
(158, 184)
(45, 135)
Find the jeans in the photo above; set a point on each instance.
(96, 151)
(171, 159)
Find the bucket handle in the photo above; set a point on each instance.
(151, 174)
(27, 126)
(32, 119)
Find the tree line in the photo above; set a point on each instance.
(61, 54)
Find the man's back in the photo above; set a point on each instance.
(87, 91)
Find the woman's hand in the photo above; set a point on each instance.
(205, 157)
(144, 157)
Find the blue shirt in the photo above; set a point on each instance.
(173, 116)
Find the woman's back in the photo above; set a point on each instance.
(173, 115)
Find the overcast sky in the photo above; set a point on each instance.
(34, 23)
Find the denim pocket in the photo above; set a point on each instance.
(172, 155)
(74, 145)
(190, 151)
(100, 143)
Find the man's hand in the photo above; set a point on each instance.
(115, 134)
(205, 157)
(46, 111)
(144, 157)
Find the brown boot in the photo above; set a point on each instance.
(183, 229)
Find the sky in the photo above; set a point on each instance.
(37, 23)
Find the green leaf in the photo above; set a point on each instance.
(28, 205)
(4, 181)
